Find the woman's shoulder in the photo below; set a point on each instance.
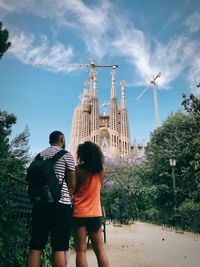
(80, 170)
(99, 176)
(82, 174)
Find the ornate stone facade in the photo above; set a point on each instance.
(109, 131)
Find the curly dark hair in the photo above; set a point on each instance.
(90, 157)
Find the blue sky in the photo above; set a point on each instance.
(143, 37)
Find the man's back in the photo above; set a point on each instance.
(61, 167)
(55, 218)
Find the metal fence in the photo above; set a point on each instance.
(19, 196)
(17, 212)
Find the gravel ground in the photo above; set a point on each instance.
(147, 245)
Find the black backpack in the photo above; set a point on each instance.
(43, 185)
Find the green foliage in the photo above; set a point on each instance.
(72, 242)
(47, 255)
(175, 137)
(152, 215)
(192, 106)
(121, 199)
(147, 189)
(179, 136)
(4, 44)
(190, 212)
(115, 203)
(13, 159)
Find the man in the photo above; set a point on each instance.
(55, 218)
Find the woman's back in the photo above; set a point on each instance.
(87, 205)
(87, 195)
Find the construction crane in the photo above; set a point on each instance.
(91, 65)
(92, 74)
(153, 82)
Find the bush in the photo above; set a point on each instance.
(190, 213)
(14, 235)
(152, 215)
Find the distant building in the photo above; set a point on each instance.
(110, 131)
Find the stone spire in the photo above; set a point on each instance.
(86, 98)
(124, 126)
(86, 108)
(94, 112)
(86, 90)
(123, 99)
(114, 120)
(113, 87)
(76, 130)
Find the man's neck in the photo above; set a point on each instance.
(56, 145)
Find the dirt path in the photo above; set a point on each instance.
(147, 245)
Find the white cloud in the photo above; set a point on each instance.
(11, 6)
(132, 44)
(193, 22)
(54, 58)
(91, 22)
(172, 58)
(194, 76)
(5, 6)
(173, 18)
(106, 33)
(150, 58)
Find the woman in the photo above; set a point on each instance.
(87, 210)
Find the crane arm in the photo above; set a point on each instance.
(106, 66)
(90, 65)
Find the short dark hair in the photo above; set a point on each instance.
(90, 157)
(54, 137)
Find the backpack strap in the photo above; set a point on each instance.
(58, 155)
(38, 157)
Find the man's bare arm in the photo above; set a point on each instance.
(71, 182)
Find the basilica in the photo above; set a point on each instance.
(110, 131)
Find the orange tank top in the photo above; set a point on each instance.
(87, 198)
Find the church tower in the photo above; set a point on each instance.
(76, 130)
(108, 130)
(86, 109)
(125, 147)
(114, 122)
(94, 111)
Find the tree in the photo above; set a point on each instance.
(14, 157)
(14, 154)
(176, 138)
(192, 105)
(4, 43)
(179, 136)
(190, 212)
(120, 193)
(147, 188)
